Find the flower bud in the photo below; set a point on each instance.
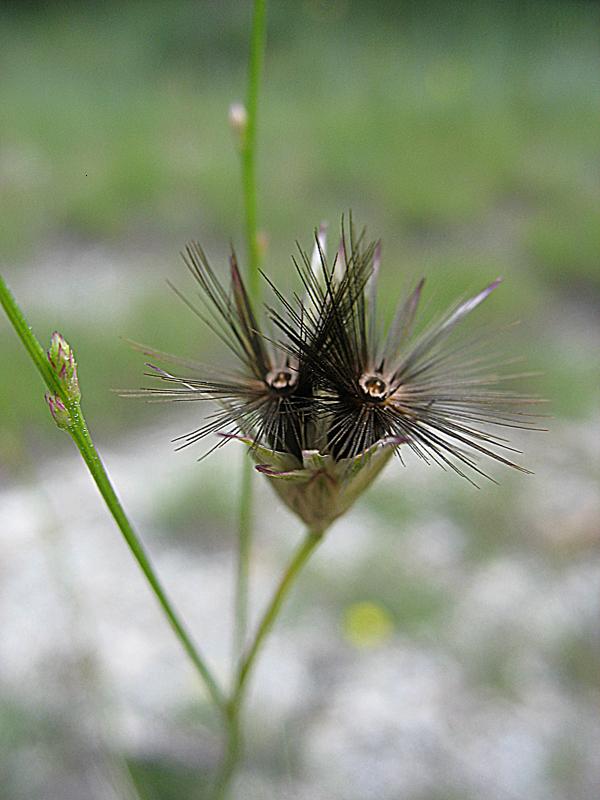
(238, 122)
(61, 358)
(59, 411)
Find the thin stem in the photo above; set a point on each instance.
(235, 705)
(300, 557)
(249, 190)
(80, 434)
(255, 67)
(232, 754)
(90, 455)
(248, 164)
(243, 560)
(31, 344)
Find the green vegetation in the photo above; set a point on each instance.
(466, 138)
(114, 121)
(465, 135)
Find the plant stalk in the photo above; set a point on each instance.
(300, 557)
(249, 190)
(236, 704)
(80, 435)
(243, 560)
(248, 151)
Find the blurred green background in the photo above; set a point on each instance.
(466, 135)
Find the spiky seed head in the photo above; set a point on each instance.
(330, 394)
(440, 394)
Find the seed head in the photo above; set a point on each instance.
(328, 395)
(319, 488)
(440, 395)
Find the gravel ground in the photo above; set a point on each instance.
(494, 695)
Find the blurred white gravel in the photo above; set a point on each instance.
(412, 719)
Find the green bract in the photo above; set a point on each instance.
(62, 361)
(60, 413)
(320, 489)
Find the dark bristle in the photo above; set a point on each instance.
(323, 374)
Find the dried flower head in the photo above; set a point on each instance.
(326, 400)
(441, 396)
(269, 397)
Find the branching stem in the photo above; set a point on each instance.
(80, 435)
(248, 165)
(236, 703)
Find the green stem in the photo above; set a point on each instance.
(31, 344)
(231, 756)
(255, 67)
(235, 706)
(248, 164)
(80, 434)
(86, 447)
(300, 557)
(243, 560)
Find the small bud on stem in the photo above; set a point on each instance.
(238, 122)
(59, 411)
(61, 358)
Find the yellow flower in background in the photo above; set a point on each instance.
(367, 624)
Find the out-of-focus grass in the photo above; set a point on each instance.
(167, 781)
(424, 117)
(195, 515)
(466, 136)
